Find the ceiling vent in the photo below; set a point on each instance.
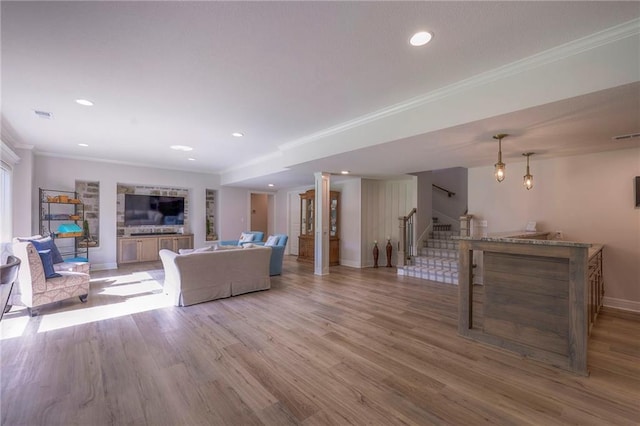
(44, 114)
(625, 137)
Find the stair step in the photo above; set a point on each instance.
(442, 235)
(431, 274)
(439, 252)
(436, 262)
(438, 243)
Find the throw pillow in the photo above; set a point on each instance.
(47, 243)
(245, 238)
(47, 264)
(271, 241)
(248, 245)
(203, 249)
(185, 251)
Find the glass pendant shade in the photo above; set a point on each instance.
(528, 178)
(500, 166)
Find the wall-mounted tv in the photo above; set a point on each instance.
(143, 210)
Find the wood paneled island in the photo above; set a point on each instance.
(539, 297)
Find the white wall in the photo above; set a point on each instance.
(22, 193)
(383, 202)
(590, 198)
(350, 226)
(61, 173)
(450, 208)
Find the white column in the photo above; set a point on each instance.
(323, 184)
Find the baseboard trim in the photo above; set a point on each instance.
(350, 263)
(627, 305)
(103, 266)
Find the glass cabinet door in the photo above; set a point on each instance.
(333, 217)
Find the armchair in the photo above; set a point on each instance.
(35, 290)
(258, 236)
(277, 254)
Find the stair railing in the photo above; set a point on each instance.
(449, 193)
(406, 245)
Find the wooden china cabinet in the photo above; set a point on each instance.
(306, 240)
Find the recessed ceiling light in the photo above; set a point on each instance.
(421, 38)
(191, 159)
(344, 172)
(181, 148)
(83, 144)
(237, 134)
(270, 185)
(84, 102)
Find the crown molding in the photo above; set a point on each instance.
(121, 163)
(7, 155)
(563, 51)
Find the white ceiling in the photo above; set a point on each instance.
(316, 86)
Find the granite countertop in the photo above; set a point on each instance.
(523, 237)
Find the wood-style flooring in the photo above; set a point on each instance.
(354, 347)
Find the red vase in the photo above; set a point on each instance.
(389, 250)
(375, 255)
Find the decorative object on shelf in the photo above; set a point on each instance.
(528, 178)
(67, 230)
(376, 253)
(500, 166)
(389, 250)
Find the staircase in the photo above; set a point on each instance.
(437, 260)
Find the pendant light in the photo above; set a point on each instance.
(528, 178)
(500, 166)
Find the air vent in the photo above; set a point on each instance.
(625, 137)
(44, 114)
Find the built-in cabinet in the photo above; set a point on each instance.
(145, 248)
(306, 239)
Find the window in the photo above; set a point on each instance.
(5, 203)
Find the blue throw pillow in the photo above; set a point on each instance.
(47, 264)
(47, 243)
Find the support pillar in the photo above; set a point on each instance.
(323, 185)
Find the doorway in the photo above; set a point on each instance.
(262, 209)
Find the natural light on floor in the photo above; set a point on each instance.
(110, 297)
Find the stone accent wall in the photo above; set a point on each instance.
(150, 190)
(89, 194)
(211, 225)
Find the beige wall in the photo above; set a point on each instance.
(590, 198)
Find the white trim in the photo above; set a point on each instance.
(7, 155)
(627, 305)
(351, 264)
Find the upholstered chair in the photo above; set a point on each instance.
(35, 289)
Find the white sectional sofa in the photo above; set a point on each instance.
(203, 276)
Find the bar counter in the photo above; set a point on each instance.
(539, 297)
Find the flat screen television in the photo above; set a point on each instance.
(144, 210)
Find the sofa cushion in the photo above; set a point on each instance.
(245, 237)
(47, 263)
(47, 243)
(272, 240)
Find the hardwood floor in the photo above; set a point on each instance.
(354, 347)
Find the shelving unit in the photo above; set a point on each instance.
(58, 208)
